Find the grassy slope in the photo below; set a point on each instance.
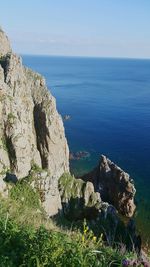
(29, 238)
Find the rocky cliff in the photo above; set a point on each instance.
(32, 142)
(31, 130)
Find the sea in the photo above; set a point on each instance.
(108, 102)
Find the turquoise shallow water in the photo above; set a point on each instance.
(109, 104)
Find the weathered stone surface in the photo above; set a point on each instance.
(80, 201)
(31, 130)
(47, 187)
(114, 185)
(4, 44)
(78, 198)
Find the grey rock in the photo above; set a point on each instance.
(114, 185)
(32, 133)
(79, 200)
(47, 186)
(4, 44)
(31, 130)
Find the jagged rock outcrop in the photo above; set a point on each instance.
(114, 185)
(79, 200)
(31, 130)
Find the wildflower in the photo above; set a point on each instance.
(146, 264)
(125, 262)
(86, 229)
(94, 238)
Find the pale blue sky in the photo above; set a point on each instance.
(107, 28)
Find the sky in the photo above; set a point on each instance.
(97, 28)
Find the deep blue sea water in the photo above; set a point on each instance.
(109, 104)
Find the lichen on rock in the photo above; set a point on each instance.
(78, 198)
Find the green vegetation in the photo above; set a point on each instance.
(22, 246)
(10, 119)
(2, 98)
(23, 192)
(71, 187)
(3, 143)
(28, 238)
(5, 96)
(35, 167)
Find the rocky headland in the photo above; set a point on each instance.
(33, 144)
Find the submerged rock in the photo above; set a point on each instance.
(114, 185)
(79, 155)
(66, 117)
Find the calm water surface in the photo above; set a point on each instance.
(109, 104)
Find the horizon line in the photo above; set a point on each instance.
(79, 56)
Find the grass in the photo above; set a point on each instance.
(39, 247)
(29, 239)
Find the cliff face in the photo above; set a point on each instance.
(32, 138)
(31, 130)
